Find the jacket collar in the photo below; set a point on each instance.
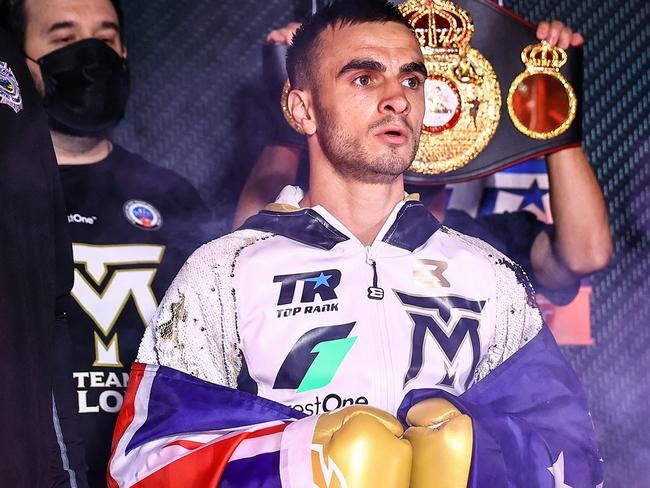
(412, 225)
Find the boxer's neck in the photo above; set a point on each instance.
(362, 207)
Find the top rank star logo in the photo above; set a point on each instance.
(319, 280)
(321, 283)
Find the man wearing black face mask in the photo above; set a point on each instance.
(86, 86)
(132, 223)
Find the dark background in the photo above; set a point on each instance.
(197, 107)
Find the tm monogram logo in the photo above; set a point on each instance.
(314, 359)
(450, 320)
(102, 291)
(321, 283)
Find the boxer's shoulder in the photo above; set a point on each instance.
(224, 251)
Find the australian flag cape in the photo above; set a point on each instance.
(530, 422)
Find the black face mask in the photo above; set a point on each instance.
(86, 88)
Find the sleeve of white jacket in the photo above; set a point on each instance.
(183, 422)
(194, 329)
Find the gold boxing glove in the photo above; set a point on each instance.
(441, 438)
(360, 447)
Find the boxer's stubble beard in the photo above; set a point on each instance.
(350, 157)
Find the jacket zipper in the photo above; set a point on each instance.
(376, 293)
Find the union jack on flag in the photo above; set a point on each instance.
(215, 439)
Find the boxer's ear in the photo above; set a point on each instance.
(300, 106)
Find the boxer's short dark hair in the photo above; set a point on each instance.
(303, 55)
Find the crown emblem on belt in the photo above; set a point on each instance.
(440, 26)
(543, 56)
(542, 86)
(462, 94)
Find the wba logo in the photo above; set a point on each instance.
(315, 358)
(305, 287)
(450, 321)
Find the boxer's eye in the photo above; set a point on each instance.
(414, 82)
(363, 80)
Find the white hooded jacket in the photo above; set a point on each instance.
(294, 308)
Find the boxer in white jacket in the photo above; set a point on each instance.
(344, 337)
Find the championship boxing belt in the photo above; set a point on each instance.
(495, 95)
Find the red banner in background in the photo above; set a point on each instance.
(571, 323)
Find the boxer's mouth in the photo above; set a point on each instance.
(394, 134)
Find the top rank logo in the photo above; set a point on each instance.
(305, 287)
(321, 283)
